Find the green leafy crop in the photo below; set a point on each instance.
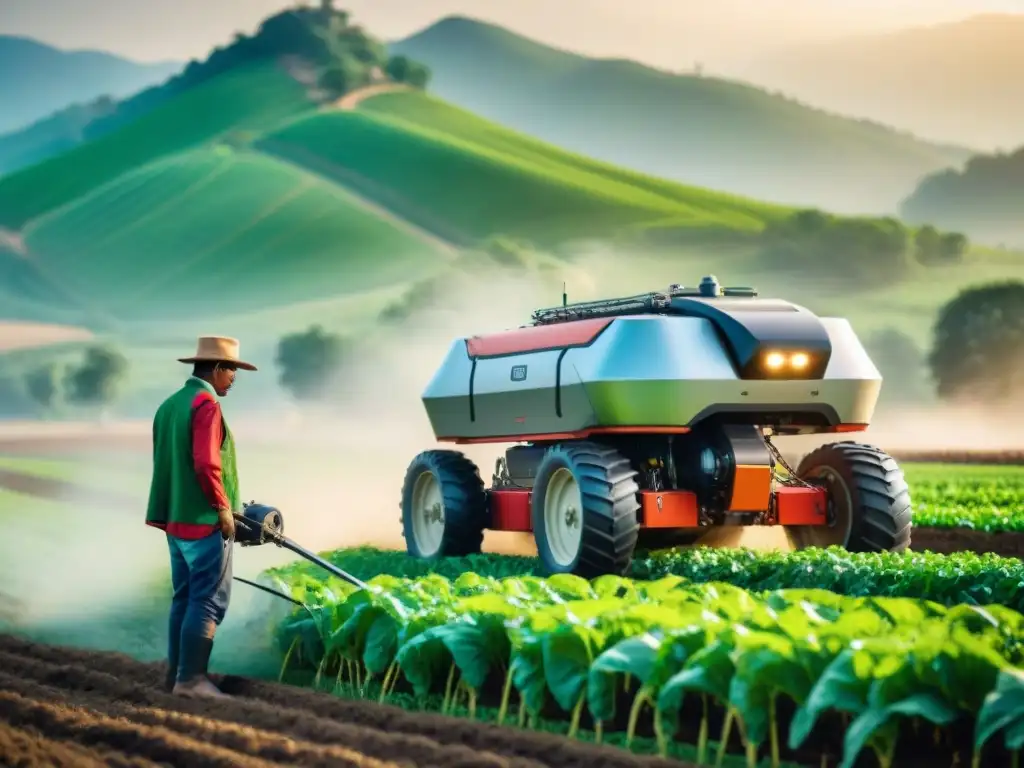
(775, 663)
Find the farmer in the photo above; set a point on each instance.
(192, 497)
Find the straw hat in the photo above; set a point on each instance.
(220, 349)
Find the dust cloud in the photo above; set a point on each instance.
(338, 474)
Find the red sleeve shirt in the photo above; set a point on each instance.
(207, 438)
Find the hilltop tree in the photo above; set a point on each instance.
(978, 347)
(309, 362)
(41, 385)
(98, 379)
(934, 247)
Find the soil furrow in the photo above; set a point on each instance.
(84, 727)
(99, 691)
(31, 749)
(246, 739)
(296, 710)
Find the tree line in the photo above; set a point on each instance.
(866, 250)
(985, 198)
(977, 354)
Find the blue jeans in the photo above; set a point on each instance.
(201, 580)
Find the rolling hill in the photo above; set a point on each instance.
(466, 178)
(985, 200)
(37, 80)
(699, 130)
(958, 82)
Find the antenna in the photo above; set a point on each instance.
(565, 296)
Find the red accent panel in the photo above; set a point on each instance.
(797, 505)
(510, 509)
(677, 509)
(850, 427)
(559, 436)
(534, 338)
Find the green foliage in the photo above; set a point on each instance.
(402, 69)
(984, 199)
(869, 251)
(310, 361)
(978, 344)
(563, 643)
(97, 380)
(934, 248)
(983, 498)
(42, 385)
(946, 579)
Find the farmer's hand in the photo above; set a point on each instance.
(227, 523)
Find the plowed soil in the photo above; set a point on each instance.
(67, 707)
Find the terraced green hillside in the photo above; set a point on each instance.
(233, 228)
(243, 101)
(691, 127)
(467, 178)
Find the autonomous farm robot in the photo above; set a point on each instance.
(648, 421)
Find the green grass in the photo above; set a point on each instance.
(215, 231)
(453, 171)
(245, 100)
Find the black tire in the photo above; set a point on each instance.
(464, 503)
(609, 515)
(870, 496)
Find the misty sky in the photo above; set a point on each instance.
(668, 33)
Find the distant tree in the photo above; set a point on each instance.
(978, 345)
(309, 361)
(932, 247)
(869, 250)
(902, 364)
(98, 379)
(952, 247)
(41, 385)
(402, 69)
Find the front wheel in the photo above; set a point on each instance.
(585, 510)
(869, 500)
(444, 507)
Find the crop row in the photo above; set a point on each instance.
(963, 577)
(985, 498)
(798, 673)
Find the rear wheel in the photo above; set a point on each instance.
(444, 507)
(584, 510)
(869, 500)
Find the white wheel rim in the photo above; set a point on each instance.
(563, 517)
(427, 514)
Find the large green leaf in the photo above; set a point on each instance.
(634, 656)
(1002, 710)
(568, 654)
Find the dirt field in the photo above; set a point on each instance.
(65, 707)
(940, 540)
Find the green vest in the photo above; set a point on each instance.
(175, 495)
